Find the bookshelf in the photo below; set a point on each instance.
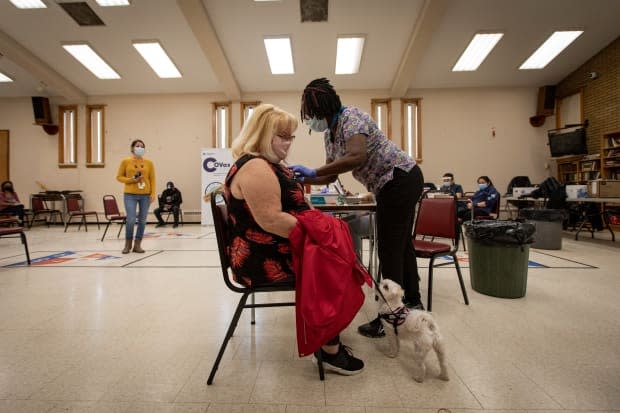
(579, 169)
(610, 157)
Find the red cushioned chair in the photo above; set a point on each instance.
(16, 232)
(437, 219)
(75, 208)
(112, 214)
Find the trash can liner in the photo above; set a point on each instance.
(500, 232)
(546, 215)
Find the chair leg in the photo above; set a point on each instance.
(85, 225)
(67, 223)
(23, 237)
(319, 363)
(253, 309)
(105, 230)
(429, 301)
(97, 216)
(229, 334)
(119, 230)
(458, 272)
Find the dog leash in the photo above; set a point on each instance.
(394, 317)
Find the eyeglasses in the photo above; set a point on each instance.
(288, 138)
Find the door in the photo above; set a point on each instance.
(4, 155)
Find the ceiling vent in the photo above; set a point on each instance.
(313, 10)
(82, 13)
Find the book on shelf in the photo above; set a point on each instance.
(588, 166)
(612, 152)
(591, 157)
(613, 141)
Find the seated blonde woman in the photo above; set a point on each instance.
(263, 197)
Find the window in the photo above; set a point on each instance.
(222, 125)
(247, 109)
(411, 136)
(382, 114)
(67, 136)
(570, 110)
(95, 127)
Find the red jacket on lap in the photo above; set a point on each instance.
(328, 281)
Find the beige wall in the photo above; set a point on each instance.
(456, 128)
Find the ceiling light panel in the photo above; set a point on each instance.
(280, 55)
(5, 78)
(157, 58)
(112, 3)
(349, 54)
(549, 50)
(29, 4)
(84, 54)
(477, 50)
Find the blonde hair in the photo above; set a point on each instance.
(258, 131)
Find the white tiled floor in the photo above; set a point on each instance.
(139, 334)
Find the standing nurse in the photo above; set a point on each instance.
(353, 142)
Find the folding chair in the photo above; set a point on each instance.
(437, 218)
(112, 214)
(39, 207)
(15, 232)
(220, 220)
(75, 208)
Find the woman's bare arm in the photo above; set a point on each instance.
(258, 185)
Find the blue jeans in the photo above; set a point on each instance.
(131, 203)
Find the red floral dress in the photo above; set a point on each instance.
(258, 257)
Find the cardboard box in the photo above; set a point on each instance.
(604, 188)
(522, 191)
(576, 191)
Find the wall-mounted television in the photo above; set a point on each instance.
(567, 141)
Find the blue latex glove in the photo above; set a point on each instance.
(301, 171)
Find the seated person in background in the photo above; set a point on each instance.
(10, 203)
(449, 187)
(263, 199)
(169, 200)
(483, 201)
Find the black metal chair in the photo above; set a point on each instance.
(16, 232)
(75, 208)
(39, 207)
(220, 221)
(437, 219)
(112, 214)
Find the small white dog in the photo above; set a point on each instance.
(420, 327)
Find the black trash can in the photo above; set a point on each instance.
(498, 256)
(548, 223)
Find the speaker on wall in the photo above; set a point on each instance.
(41, 110)
(546, 101)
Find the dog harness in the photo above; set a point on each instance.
(396, 317)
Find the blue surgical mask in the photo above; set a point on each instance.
(139, 151)
(483, 186)
(317, 125)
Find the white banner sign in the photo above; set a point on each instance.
(215, 165)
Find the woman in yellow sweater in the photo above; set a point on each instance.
(138, 175)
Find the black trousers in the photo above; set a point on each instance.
(16, 210)
(395, 213)
(175, 213)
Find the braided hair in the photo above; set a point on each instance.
(319, 100)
